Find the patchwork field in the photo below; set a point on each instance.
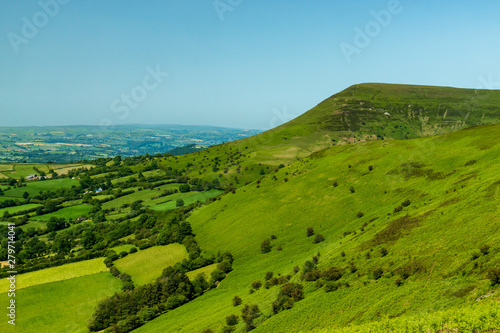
(59, 307)
(147, 265)
(57, 273)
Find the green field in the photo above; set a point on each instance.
(147, 265)
(189, 198)
(16, 209)
(34, 187)
(72, 212)
(57, 273)
(207, 270)
(59, 307)
(33, 224)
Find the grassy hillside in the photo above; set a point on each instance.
(364, 112)
(380, 222)
(434, 243)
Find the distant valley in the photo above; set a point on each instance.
(64, 144)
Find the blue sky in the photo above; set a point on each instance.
(234, 63)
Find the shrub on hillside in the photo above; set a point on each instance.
(237, 300)
(318, 238)
(310, 232)
(265, 246)
(377, 273)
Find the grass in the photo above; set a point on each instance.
(57, 273)
(16, 209)
(57, 307)
(120, 248)
(453, 211)
(72, 212)
(207, 270)
(33, 224)
(147, 265)
(34, 187)
(188, 198)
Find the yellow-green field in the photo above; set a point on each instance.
(57, 273)
(147, 265)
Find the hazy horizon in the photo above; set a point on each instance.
(236, 64)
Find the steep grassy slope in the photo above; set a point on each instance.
(431, 242)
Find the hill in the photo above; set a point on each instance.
(364, 112)
(417, 234)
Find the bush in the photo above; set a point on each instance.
(225, 266)
(383, 252)
(256, 284)
(370, 167)
(184, 188)
(312, 276)
(232, 320)
(310, 232)
(179, 203)
(352, 189)
(377, 273)
(360, 215)
(485, 249)
(133, 250)
(237, 301)
(335, 184)
(218, 275)
(268, 276)
(318, 238)
(265, 246)
(332, 286)
(332, 274)
(494, 276)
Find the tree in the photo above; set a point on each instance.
(237, 301)
(179, 203)
(248, 314)
(318, 238)
(232, 320)
(184, 188)
(88, 239)
(265, 246)
(62, 244)
(26, 195)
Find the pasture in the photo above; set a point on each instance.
(147, 265)
(59, 307)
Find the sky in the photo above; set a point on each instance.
(232, 63)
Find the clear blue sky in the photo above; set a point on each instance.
(245, 64)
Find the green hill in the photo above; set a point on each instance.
(364, 112)
(376, 210)
(418, 234)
